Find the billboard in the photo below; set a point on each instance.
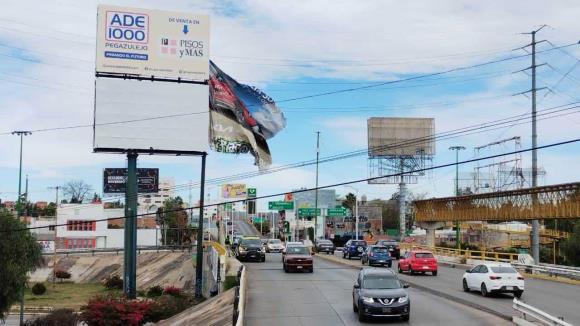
(233, 190)
(400, 136)
(326, 198)
(152, 43)
(147, 116)
(115, 180)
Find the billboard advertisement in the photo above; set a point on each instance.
(147, 116)
(115, 180)
(152, 43)
(233, 190)
(400, 136)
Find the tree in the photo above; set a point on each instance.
(350, 202)
(19, 254)
(174, 220)
(76, 190)
(571, 247)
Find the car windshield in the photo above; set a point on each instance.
(359, 243)
(423, 255)
(251, 242)
(381, 282)
(295, 250)
(503, 270)
(380, 250)
(274, 241)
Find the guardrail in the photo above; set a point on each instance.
(551, 270)
(117, 250)
(537, 314)
(240, 299)
(465, 253)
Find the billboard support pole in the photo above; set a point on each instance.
(130, 257)
(199, 254)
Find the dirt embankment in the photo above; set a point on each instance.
(153, 268)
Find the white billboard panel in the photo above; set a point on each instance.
(400, 136)
(145, 115)
(152, 43)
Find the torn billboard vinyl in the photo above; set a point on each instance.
(242, 117)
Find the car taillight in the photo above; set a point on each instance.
(495, 277)
(520, 277)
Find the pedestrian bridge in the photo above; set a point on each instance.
(547, 202)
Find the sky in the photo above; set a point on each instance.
(292, 49)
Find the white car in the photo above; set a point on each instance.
(494, 278)
(274, 245)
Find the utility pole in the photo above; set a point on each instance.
(316, 188)
(355, 211)
(535, 223)
(457, 230)
(199, 254)
(20, 133)
(55, 238)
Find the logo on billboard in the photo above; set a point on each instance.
(235, 190)
(127, 27)
(181, 48)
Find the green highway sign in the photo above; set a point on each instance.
(336, 211)
(304, 212)
(252, 192)
(280, 205)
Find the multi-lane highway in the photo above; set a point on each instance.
(325, 298)
(557, 299)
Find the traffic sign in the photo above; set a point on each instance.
(252, 192)
(336, 211)
(280, 205)
(305, 212)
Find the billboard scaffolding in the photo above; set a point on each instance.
(401, 146)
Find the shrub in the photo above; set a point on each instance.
(154, 291)
(115, 311)
(59, 317)
(172, 290)
(230, 282)
(166, 306)
(114, 282)
(38, 289)
(64, 275)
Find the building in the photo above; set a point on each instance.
(87, 228)
(151, 202)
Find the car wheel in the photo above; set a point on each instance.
(518, 294)
(434, 273)
(343, 255)
(263, 260)
(332, 253)
(399, 269)
(348, 256)
(390, 265)
(406, 317)
(285, 269)
(361, 316)
(484, 290)
(411, 271)
(312, 270)
(465, 287)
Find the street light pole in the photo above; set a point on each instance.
(316, 189)
(56, 222)
(457, 231)
(20, 133)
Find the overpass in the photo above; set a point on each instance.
(560, 201)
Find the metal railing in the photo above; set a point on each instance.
(540, 316)
(240, 298)
(465, 253)
(550, 270)
(93, 251)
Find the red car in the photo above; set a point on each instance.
(418, 261)
(297, 258)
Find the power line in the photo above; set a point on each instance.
(566, 142)
(473, 129)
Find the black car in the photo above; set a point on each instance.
(393, 246)
(380, 293)
(323, 245)
(250, 248)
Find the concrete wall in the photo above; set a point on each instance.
(145, 237)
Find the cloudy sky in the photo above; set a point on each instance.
(292, 49)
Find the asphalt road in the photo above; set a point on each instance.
(557, 299)
(245, 228)
(325, 298)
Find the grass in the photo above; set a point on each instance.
(66, 295)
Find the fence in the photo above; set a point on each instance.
(240, 299)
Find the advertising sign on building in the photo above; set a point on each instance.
(46, 245)
(115, 180)
(152, 43)
(233, 190)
